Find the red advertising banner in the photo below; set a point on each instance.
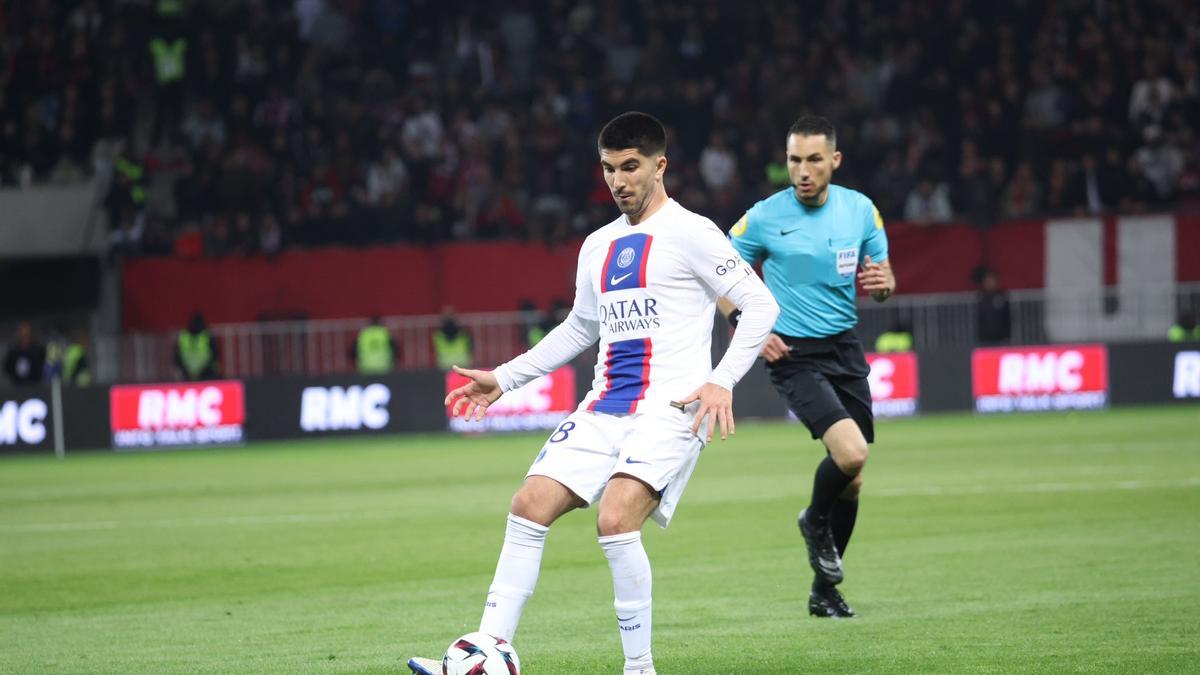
(1060, 377)
(541, 404)
(894, 385)
(168, 415)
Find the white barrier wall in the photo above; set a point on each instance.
(1079, 307)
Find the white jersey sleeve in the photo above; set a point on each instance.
(568, 340)
(715, 261)
(759, 312)
(576, 333)
(585, 294)
(719, 267)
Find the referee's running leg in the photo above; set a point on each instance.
(837, 411)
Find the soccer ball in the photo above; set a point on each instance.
(480, 654)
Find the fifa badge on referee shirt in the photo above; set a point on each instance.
(847, 260)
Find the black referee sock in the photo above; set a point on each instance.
(841, 520)
(828, 483)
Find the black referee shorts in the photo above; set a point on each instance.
(824, 380)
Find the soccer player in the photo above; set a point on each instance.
(813, 238)
(646, 287)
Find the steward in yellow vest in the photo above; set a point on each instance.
(895, 340)
(375, 350)
(452, 344)
(196, 351)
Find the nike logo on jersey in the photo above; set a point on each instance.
(631, 618)
(614, 280)
(787, 232)
(630, 460)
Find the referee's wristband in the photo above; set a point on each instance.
(733, 317)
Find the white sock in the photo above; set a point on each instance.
(631, 584)
(516, 575)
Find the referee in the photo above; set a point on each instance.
(814, 239)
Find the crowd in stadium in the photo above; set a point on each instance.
(248, 126)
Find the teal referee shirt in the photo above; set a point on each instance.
(811, 256)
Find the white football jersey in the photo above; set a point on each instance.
(652, 288)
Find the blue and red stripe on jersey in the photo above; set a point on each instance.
(625, 264)
(626, 374)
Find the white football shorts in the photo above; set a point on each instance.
(658, 448)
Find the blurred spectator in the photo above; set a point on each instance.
(537, 324)
(718, 165)
(189, 243)
(387, 179)
(243, 238)
(196, 355)
(890, 185)
(1184, 329)
(1023, 196)
(529, 319)
(55, 354)
(77, 370)
(978, 190)
(452, 345)
(126, 193)
(203, 127)
(559, 310)
(897, 338)
(929, 202)
(356, 122)
(374, 351)
(25, 359)
(270, 236)
(1099, 185)
(992, 310)
(1045, 103)
(168, 48)
(1150, 97)
(1064, 193)
(126, 239)
(1159, 163)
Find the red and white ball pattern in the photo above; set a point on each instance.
(480, 654)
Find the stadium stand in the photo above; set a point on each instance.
(239, 127)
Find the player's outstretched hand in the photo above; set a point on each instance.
(476, 395)
(774, 348)
(717, 403)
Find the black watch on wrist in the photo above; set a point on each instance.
(733, 317)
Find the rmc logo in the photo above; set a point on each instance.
(353, 407)
(179, 408)
(1034, 373)
(1187, 375)
(24, 422)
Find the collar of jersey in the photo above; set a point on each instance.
(669, 205)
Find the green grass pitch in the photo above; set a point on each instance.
(1030, 543)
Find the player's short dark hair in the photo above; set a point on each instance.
(634, 130)
(814, 125)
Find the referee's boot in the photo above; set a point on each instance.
(822, 552)
(825, 602)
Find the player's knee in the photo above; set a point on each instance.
(612, 521)
(608, 522)
(852, 457)
(525, 505)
